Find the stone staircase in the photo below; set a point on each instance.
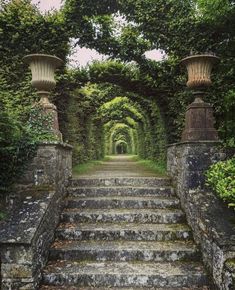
(127, 233)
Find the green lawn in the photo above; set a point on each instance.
(158, 167)
(88, 166)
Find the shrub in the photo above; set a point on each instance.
(18, 142)
(221, 178)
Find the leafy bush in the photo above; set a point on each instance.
(14, 141)
(221, 177)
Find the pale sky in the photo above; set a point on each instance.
(83, 56)
(46, 5)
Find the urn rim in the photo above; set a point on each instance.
(187, 59)
(37, 56)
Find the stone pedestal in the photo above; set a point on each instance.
(199, 122)
(50, 110)
(43, 68)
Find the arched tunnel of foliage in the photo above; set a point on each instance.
(121, 147)
(117, 111)
(153, 94)
(119, 134)
(97, 119)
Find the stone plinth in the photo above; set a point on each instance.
(50, 110)
(199, 123)
(26, 236)
(210, 219)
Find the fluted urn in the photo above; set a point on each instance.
(199, 69)
(43, 68)
(199, 119)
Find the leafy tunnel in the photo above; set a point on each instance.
(104, 119)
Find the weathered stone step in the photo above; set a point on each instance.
(125, 251)
(46, 287)
(121, 191)
(121, 181)
(123, 274)
(162, 216)
(123, 202)
(129, 231)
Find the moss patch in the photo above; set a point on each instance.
(230, 263)
(36, 191)
(3, 215)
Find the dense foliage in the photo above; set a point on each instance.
(129, 102)
(221, 177)
(18, 142)
(23, 30)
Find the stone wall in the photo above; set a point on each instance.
(211, 221)
(26, 236)
(52, 165)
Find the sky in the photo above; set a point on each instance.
(46, 5)
(83, 56)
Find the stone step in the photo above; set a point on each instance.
(121, 181)
(162, 216)
(121, 191)
(124, 274)
(128, 231)
(122, 202)
(125, 251)
(46, 287)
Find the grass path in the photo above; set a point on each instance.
(120, 166)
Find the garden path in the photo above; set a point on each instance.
(120, 166)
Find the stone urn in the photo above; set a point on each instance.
(199, 123)
(43, 68)
(199, 69)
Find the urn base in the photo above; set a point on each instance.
(199, 123)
